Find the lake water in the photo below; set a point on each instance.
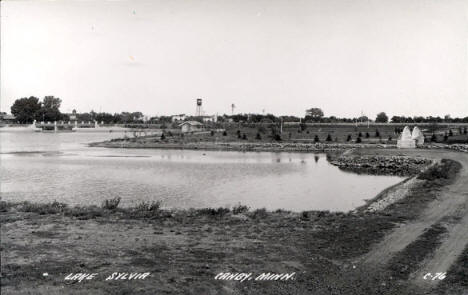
(43, 167)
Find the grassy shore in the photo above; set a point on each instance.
(185, 249)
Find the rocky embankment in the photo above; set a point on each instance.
(463, 148)
(381, 165)
(238, 146)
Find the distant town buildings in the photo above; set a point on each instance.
(212, 119)
(178, 118)
(73, 116)
(7, 118)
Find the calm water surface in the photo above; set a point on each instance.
(44, 167)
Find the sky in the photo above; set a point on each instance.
(404, 57)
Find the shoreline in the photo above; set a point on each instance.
(203, 242)
(284, 146)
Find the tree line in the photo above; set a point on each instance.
(28, 109)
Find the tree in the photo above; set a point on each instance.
(315, 114)
(377, 133)
(50, 109)
(329, 138)
(25, 109)
(349, 137)
(316, 138)
(381, 118)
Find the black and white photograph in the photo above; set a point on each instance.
(231, 147)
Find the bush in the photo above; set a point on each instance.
(377, 133)
(111, 204)
(244, 137)
(212, 212)
(146, 206)
(277, 137)
(358, 140)
(328, 138)
(367, 135)
(445, 170)
(147, 209)
(224, 133)
(349, 137)
(238, 209)
(84, 213)
(4, 206)
(259, 137)
(48, 208)
(316, 138)
(359, 134)
(259, 213)
(433, 138)
(163, 136)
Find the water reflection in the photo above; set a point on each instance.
(47, 167)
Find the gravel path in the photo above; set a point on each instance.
(452, 201)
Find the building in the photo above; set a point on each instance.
(207, 119)
(191, 126)
(6, 118)
(73, 117)
(177, 118)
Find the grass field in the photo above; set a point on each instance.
(382, 133)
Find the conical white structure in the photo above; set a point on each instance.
(405, 140)
(417, 136)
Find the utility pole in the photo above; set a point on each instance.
(281, 125)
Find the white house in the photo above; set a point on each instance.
(177, 118)
(213, 119)
(190, 126)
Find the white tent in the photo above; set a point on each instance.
(405, 140)
(417, 136)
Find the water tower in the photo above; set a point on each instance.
(198, 112)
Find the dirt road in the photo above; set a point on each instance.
(452, 201)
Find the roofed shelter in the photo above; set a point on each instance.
(191, 126)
